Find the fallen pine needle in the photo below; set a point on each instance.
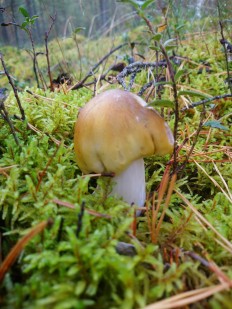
(6, 168)
(18, 247)
(189, 297)
(228, 196)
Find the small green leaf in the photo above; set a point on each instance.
(161, 103)
(179, 74)
(23, 11)
(193, 93)
(140, 13)
(153, 47)
(24, 25)
(170, 47)
(80, 287)
(215, 124)
(157, 37)
(167, 43)
(135, 5)
(34, 17)
(162, 83)
(78, 29)
(179, 27)
(146, 4)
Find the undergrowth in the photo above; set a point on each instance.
(74, 263)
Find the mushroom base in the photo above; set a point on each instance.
(130, 184)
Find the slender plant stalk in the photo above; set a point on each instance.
(13, 87)
(47, 51)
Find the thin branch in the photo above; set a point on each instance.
(90, 73)
(135, 68)
(9, 24)
(13, 87)
(175, 94)
(174, 87)
(201, 123)
(5, 116)
(47, 51)
(145, 87)
(218, 97)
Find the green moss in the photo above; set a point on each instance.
(59, 269)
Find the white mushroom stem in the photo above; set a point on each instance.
(130, 184)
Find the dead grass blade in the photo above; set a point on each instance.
(211, 265)
(183, 87)
(37, 96)
(16, 250)
(37, 131)
(189, 297)
(226, 242)
(89, 211)
(215, 182)
(5, 169)
(223, 180)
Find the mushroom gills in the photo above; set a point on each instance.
(130, 184)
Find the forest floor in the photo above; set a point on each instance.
(63, 227)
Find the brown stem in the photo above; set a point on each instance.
(202, 117)
(47, 51)
(172, 76)
(13, 87)
(218, 97)
(175, 93)
(35, 64)
(6, 117)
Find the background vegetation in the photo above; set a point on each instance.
(94, 16)
(64, 242)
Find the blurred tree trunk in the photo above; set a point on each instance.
(43, 21)
(12, 6)
(103, 11)
(38, 32)
(5, 35)
(94, 15)
(28, 7)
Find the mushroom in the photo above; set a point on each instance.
(114, 131)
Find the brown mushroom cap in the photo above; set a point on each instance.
(114, 129)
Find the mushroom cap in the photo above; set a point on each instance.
(115, 128)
